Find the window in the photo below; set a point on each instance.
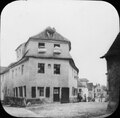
(41, 91)
(33, 92)
(19, 69)
(16, 72)
(16, 89)
(22, 68)
(41, 45)
(56, 68)
(41, 68)
(56, 45)
(12, 73)
(24, 91)
(74, 91)
(47, 91)
(21, 91)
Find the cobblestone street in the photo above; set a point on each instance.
(69, 110)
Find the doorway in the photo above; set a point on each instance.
(56, 94)
(65, 95)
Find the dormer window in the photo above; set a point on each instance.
(57, 49)
(41, 48)
(56, 45)
(41, 45)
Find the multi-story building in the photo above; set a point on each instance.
(44, 69)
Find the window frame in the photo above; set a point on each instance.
(41, 91)
(22, 69)
(57, 69)
(56, 45)
(33, 92)
(41, 45)
(41, 67)
(47, 92)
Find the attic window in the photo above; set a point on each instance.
(56, 45)
(41, 45)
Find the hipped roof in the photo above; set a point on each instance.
(114, 50)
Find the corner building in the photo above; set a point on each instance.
(44, 69)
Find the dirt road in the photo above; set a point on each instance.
(68, 110)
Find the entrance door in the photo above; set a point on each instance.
(56, 94)
(65, 95)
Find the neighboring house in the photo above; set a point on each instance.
(2, 81)
(82, 88)
(44, 69)
(90, 87)
(99, 93)
(113, 73)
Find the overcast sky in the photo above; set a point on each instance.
(91, 26)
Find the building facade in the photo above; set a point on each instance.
(113, 73)
(91, 95)
(100, 93)
(44, 69)
(82, 88)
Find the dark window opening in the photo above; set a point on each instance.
(56, 45)
(16, 91)
(41, 45)
(22, 68)
(47, 91)
(56, 68)
(21, 91)
(33, 92)
(25, 91)
(41, 91)
(41, 68)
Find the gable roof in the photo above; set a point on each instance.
(49, 34)
(114, 50)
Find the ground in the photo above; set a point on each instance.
(68, 110)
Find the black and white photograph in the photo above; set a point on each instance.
(59, 59)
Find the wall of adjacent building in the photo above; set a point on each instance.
(72, 82)
(113, 65)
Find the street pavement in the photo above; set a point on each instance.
(68, 110)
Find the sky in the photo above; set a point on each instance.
(91, 26)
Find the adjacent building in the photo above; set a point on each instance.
(113, 73)
(90, 87)
(82, 88)
(44, 69)
(2, 81)
(100, 93)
